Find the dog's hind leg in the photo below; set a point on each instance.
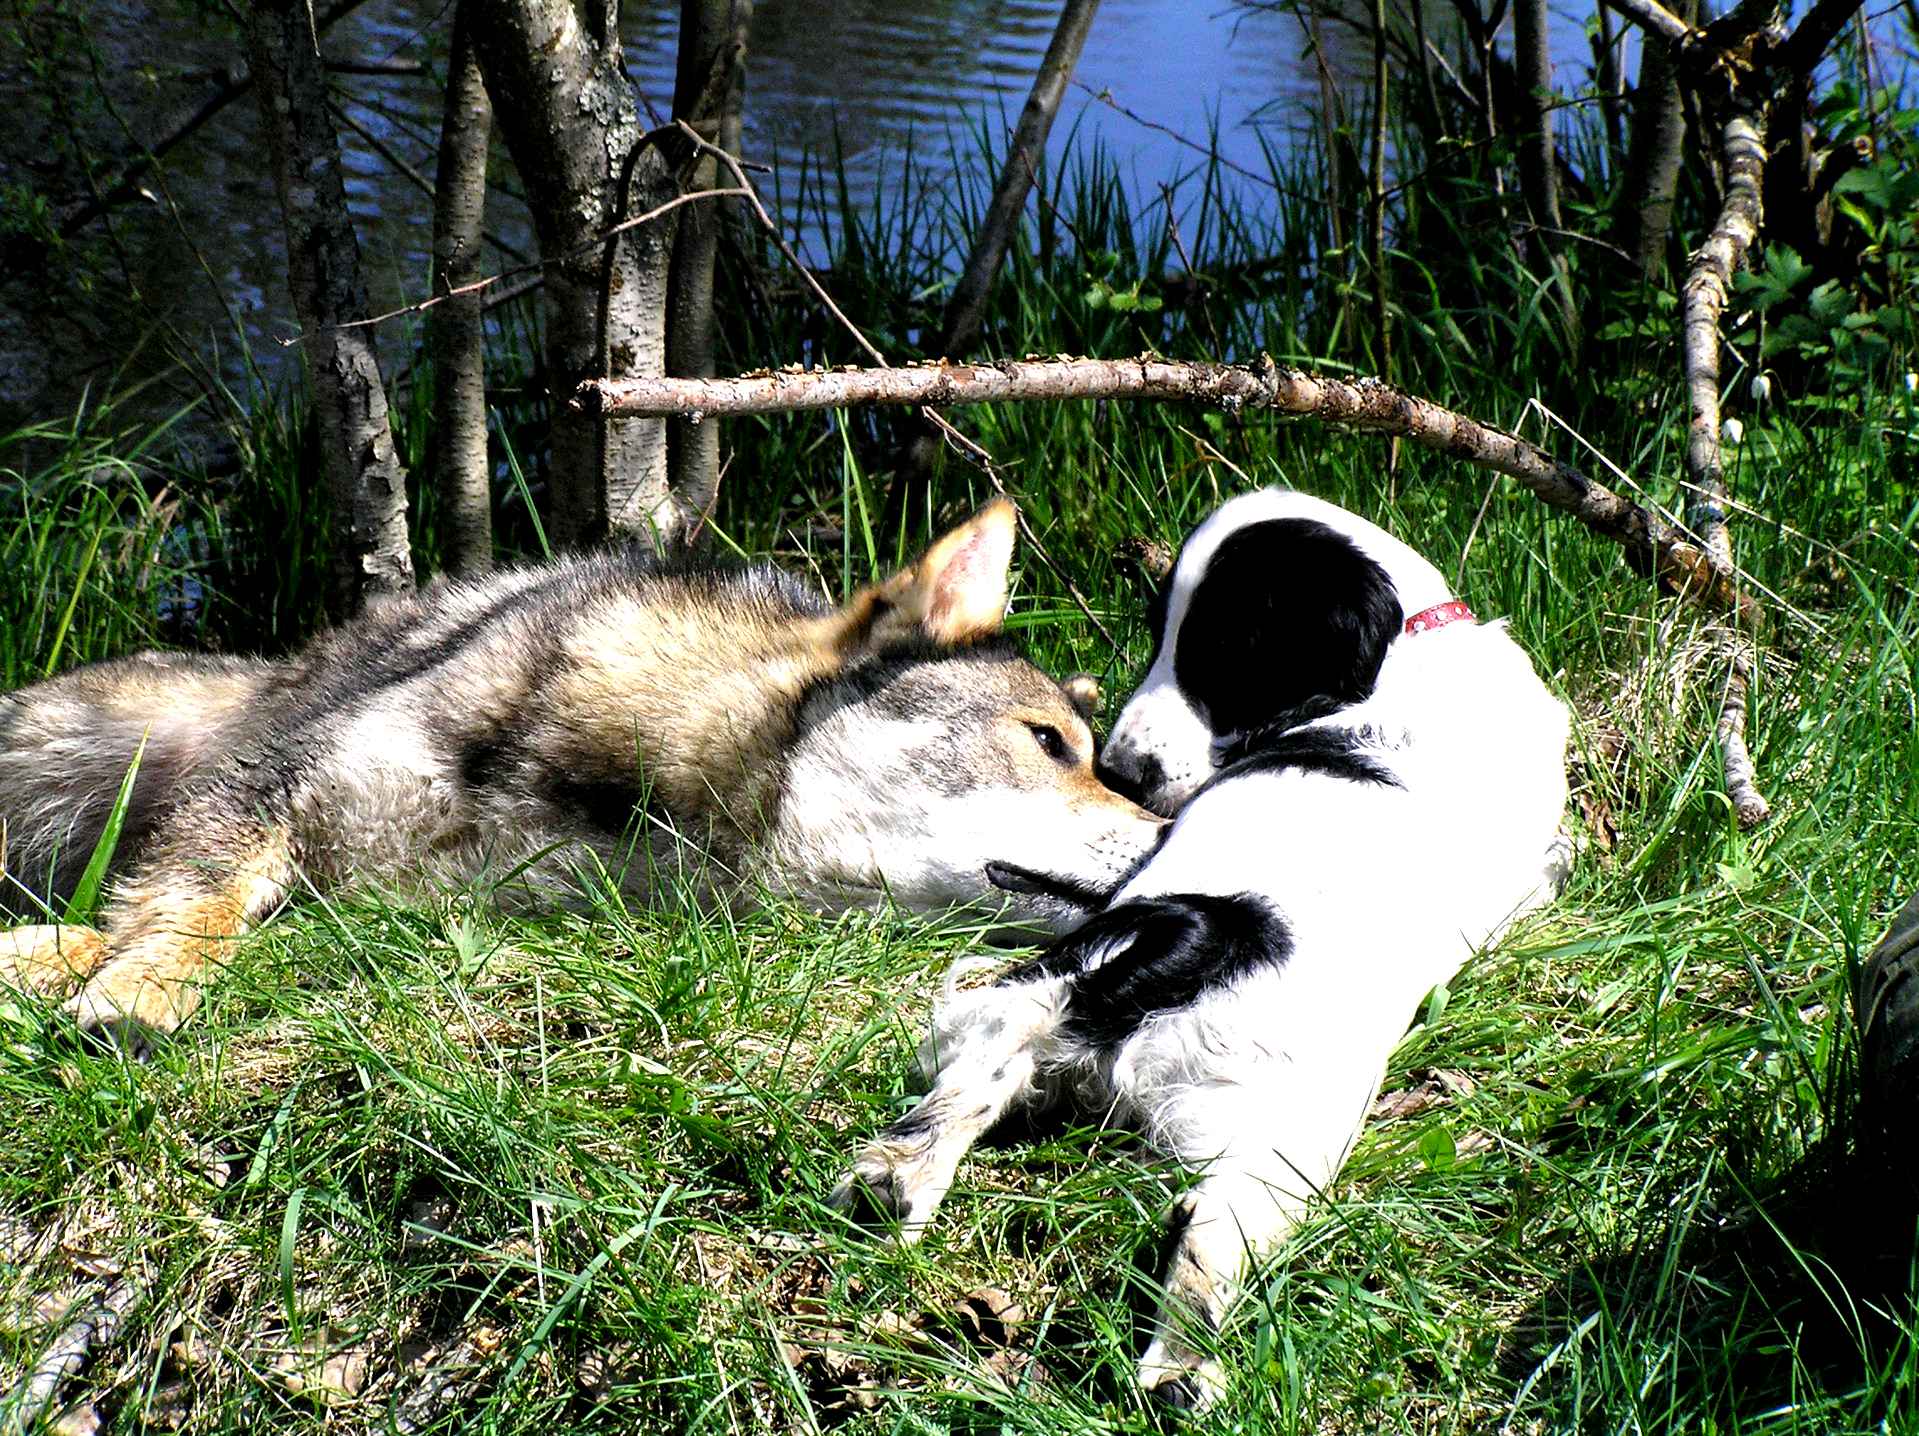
(1279, 1142)
(983, 1057)
(170, 925)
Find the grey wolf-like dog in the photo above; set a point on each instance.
(648, 720)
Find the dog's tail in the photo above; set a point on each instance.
(66, 746)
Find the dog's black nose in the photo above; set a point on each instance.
(1136, 780)
(1181, 1394)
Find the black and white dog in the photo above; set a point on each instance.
(1369, 786)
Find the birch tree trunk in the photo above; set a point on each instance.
(708, 82)
(556, 75)
(364, 476)
(456, 327)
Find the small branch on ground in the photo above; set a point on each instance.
(97, 1325)
(1749, 805)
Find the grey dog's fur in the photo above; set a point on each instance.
(655, 723)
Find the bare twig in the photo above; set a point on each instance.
(234, 84)
(1365, 405)
(492, 279)
(412, 175)
(1707, 288)
(1649, 15)
(952, 435)
(1708, 285)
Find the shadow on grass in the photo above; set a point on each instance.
(1789, 1299)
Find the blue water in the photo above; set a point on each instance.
(866, 78)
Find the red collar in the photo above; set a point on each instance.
(1438, 616)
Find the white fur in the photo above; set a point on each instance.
(1262, 1085)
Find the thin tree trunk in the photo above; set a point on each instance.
(1653, 157)
(364, 476)
(965, 309)
(1376, 204)
(1532, 65)
(456, 326)
(557, 78)
(1610, 84)
(707, 84)
(1538, 155)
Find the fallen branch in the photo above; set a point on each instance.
(97, 1325)
(1749, 805)
(1364, 405)
(1708, 286)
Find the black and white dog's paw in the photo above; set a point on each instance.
(1560, 857)
(1179, 1379)
(887, 1186)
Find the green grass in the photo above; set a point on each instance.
(569, 1171)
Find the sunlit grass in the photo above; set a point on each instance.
(567, 1173)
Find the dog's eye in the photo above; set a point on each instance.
(1051, 743)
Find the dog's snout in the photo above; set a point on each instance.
(1132, 775)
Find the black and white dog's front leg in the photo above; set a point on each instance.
(981, 1059)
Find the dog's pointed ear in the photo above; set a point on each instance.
(955, 594)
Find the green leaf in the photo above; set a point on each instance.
(1829, 301)
(86, 894)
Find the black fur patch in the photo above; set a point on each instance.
(1289, 623)
(1335, 752)
(1171, 950)
(608, 804)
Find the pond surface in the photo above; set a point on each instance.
(867, 79)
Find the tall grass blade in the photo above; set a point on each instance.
(86, 896)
